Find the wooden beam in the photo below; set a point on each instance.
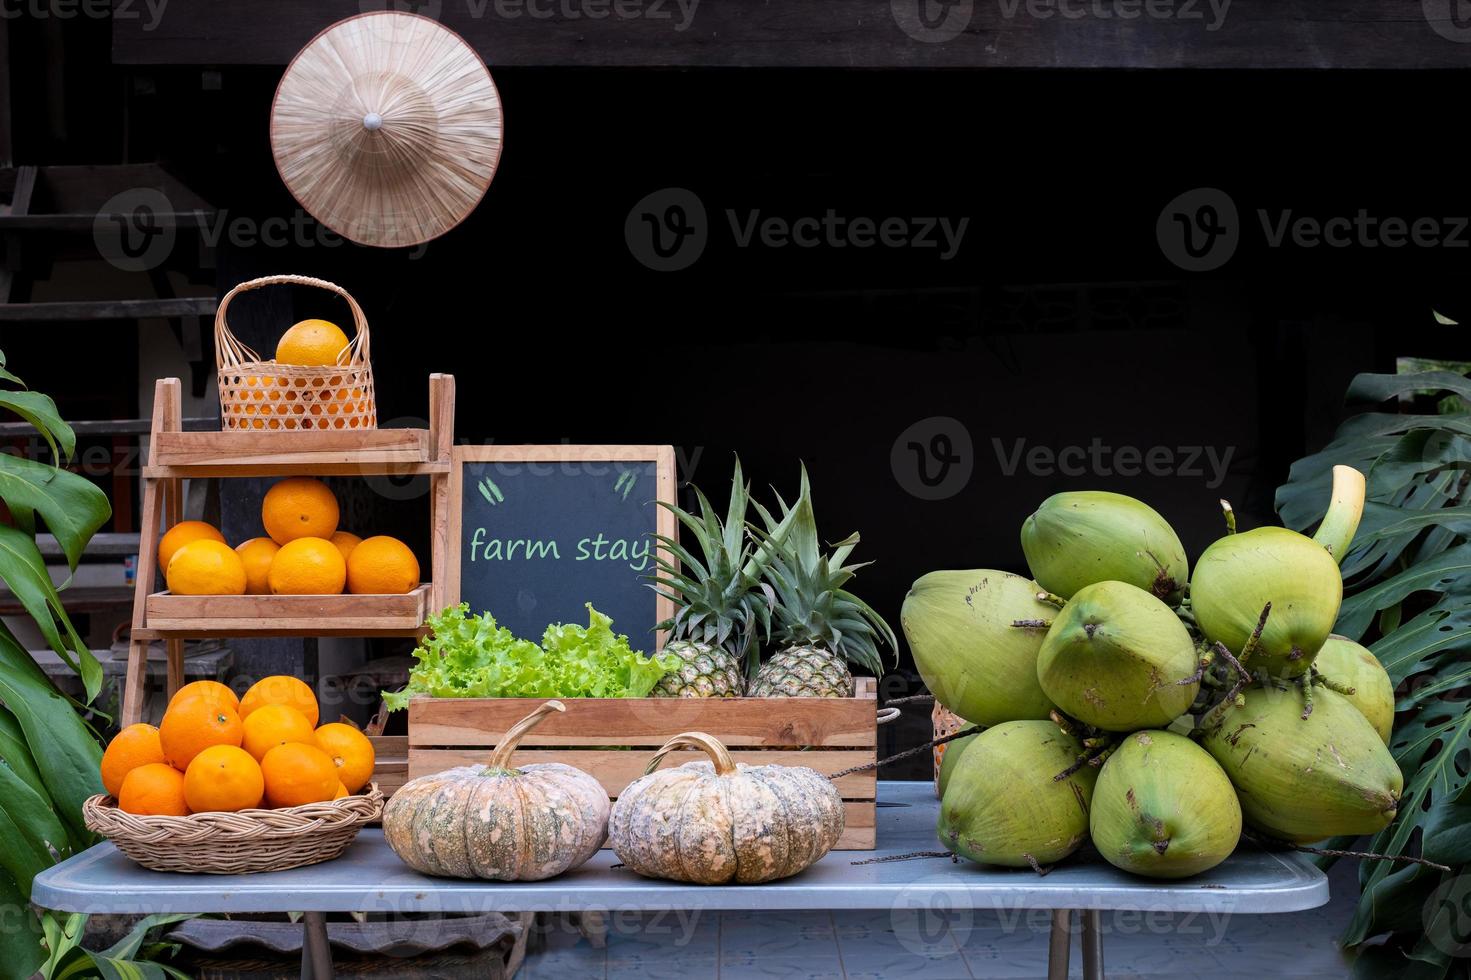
(118, 309)
(1278, 34)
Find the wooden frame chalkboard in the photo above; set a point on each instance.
(560, 466)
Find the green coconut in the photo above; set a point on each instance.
(1348, 665)
(1118, 659)
(951, 759)
(1239, 574)
(1082, 537)
(1302, 780)
(1002, 805)
(1163, 808)
(958, 624)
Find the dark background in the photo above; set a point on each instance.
(1059, 322)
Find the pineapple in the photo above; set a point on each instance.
(722, 602)
(821, 627)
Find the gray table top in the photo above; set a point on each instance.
(369, 878)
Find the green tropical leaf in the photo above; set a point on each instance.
(71, 756)
(33, 814)
(16, 754)
(1449, 571)
(127, 947)
(72, 506)
(24, 569)
(40, 411)
(1382, 387)
(21, 952)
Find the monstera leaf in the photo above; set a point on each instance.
(1407, 586)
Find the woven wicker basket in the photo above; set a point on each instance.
(235, 843)
(263, 395)
(946, 722)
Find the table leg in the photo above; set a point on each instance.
(316, 952)
(1092, 945)
(1060, 944)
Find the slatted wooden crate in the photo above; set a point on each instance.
(613, 738)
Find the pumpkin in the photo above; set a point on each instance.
(713, 822)
(499, 822)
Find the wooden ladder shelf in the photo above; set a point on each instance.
(175, 455)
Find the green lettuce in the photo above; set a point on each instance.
(468, 656)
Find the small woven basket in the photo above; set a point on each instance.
(946, 722)
(235, 843)
(258, 394)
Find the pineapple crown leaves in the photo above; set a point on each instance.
(720, 594)
(812, 605)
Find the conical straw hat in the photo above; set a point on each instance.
(387, 128)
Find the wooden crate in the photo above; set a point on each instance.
(287, 615)
(613, 738)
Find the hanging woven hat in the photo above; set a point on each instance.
(387, 128)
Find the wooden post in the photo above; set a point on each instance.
(441, 448)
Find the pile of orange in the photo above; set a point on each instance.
(216, 752)
(304, 552)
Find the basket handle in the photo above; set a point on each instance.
(230, 352)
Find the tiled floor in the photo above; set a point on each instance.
(853, 945)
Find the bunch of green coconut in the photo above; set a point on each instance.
(1122, 699)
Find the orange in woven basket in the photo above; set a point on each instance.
(223, 778)
(264, 395)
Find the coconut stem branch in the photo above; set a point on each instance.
(1229, 514)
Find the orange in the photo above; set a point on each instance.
(194, 724)
(223, 777)
(206, 567)
(345, 541)
(256, 555)
(350, 751)
(134, 746)
(299, 507)
(312, 342)
(307, 566)
(275, 724)
(181, 534)
(206, 689)
(156, 789)
(382, 565)
(341, 792)
(297, 774)
(280, 689)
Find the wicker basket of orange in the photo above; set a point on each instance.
(319, 378)
(228, 785)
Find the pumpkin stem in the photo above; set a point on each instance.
(502, 758)
(719, 755)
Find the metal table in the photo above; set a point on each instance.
(369, 878)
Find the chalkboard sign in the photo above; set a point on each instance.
(538, 531)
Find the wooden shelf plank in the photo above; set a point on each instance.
(325, 452)
(1260, 34)
(172, 615)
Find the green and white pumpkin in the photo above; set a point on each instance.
(713, 822)
(498, 822)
